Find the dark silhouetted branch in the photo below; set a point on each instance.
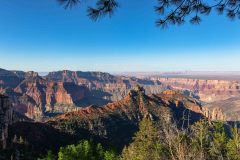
(171, 12)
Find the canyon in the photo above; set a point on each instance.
(220, 98)
(68, 106)
(63, 91)
(113, 124)
(39, 97)
(207, 90)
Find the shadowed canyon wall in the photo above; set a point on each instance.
(6, 118)
(65, 91)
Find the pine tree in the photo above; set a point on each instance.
(50, 156)
(85, 150)
(233, 145)
(110, 155)
(146, 143)
(219, 140)
(200, 139)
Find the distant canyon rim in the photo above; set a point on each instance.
(39, 95)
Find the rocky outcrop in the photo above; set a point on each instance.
(57, 94)
(104, 85)
(229, 107)
(117, 122)
(220, 97)
(113, 124)
(214, 114)
(207, 90)
(63, 91)
(8, 79)
(6, 119)
(180, 100)
(38, 96)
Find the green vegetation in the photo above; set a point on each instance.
(146, 143)
(202, 141)
(85, 150)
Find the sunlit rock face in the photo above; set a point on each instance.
(6, 118)
(207, 90)
(104, 85)
(215, 114)
(230, 107)
(64, 91)
(37, 95)
(116, 122)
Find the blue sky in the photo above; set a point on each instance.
(42, 36)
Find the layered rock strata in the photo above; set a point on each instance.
(207, 90)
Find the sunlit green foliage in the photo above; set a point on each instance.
(233, 145)
(205, 140)
(218, 142)
(85, 150)
(146, 143)
(202, 141)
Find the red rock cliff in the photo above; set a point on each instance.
(207, 90)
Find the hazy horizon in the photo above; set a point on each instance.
(207, 75)
(191, 72)
(203, 75)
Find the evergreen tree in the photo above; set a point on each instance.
(219, 139)
(50, 156)
(233, 145)
(171, 12)
(85, 150)
(200, 139)
(110, 155)
(146, 143)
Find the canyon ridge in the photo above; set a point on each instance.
(38, 97)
